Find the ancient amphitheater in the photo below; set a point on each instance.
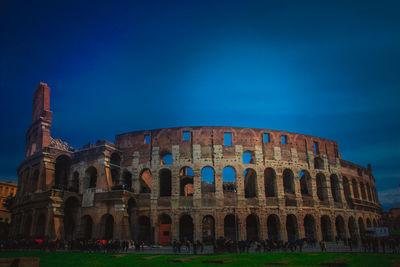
(196, 183)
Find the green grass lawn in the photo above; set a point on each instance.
(64, 259)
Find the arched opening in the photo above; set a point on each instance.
(166, 158)
(228, 179)
(115, 165)
(165, 183)
(144, 229)
(131, 216)
(270, 182)
(186, 182)
(361, 227)
(250, 183)
(346, 189)
(63, 164)
(27, 226)
(207, 180)
(369, 192)
(71, 208)
(335, 188)
(75, 182)
(318, 163)
(292, 227)
(309, 227)
(374, 223)
(340, 228)
(230, 227)
(362, 189)
(305, 183)
(34, 179)
(248, 157)
(145, 181)
(208, 229)
(252, 227)
(274, 227)
(322, 191)
(86, 227)
(326, 228)
(186, 228)
(355, 189)
(127, 179)
(165, 230)
(41, 226)
(352, 229)
(91, 177)
(369, 225)
(288, 181)
(107, 222)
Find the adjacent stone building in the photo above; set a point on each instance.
(195, 183)
(7, 189)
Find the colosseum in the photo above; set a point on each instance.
(196, 183)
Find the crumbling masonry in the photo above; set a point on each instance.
(195, 183)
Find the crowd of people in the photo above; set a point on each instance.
(220, 245)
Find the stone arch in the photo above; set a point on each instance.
(305, 183)
(318, 163)
(145, 181)
(186, 175)
(165, 182)
(40, 226)
(27, 226)
(132, 206)
(186, 228)
(165, 230)
(34, 180)
(288, 182)
(252, 227)
(292, 228)
(143, 230)
(310, 227)
(166, 158)
(62, 168)
(250, 183)
(362, 189)
(208, 229)
(326, 228)
(270, 182)
(361, 227)
(248, 157)
(335, 188)
(346, 189)
(369, 224)
(352, 228)
(90, 177)
(230, 227)
(322, 191)
(228, 179)
(369, 192)
(207, 180)
(127, 179)
(107, 225)
(86, 227)
(115, 166)
(340, 227)
(355, 189)
(75, 182)
(374, 223)
(274, 227)
(71, 208)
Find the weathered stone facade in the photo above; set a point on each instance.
(190, 182)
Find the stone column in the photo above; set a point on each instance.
(197, 226)
(280, 191)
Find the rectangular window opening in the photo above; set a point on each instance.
(147, 139)
(266, 137)
(284, 139)
(227, 139)
(186, 136)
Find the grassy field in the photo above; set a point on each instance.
(64, 259)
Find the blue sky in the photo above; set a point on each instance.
(324, 68)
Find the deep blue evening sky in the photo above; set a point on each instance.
(324, 68)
